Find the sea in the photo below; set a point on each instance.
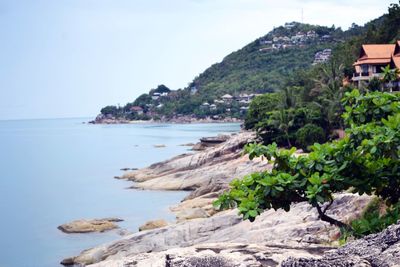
(57, 170)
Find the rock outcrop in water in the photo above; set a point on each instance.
(214, 166)
(88, 226)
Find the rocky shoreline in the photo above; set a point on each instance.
(176, 120)
(204, 237)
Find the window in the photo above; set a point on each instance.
(364, 68)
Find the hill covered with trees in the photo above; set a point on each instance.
(260, 67)
(289, 56)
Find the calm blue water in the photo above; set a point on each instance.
(55, 171)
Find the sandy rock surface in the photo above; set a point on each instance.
(87, 226)
(153, 225)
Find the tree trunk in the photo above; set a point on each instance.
(326, 218)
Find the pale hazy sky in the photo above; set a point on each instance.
(69, 58)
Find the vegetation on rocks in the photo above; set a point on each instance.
(365, 161)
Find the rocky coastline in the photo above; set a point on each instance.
(202, 236)
(101, 119)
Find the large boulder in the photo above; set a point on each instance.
(153, 225)
(87, 226)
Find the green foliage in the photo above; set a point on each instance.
(308, 135)
(365, 161)
(280, 126)
(110, 110)
(374, 84)
(254, 69)
(260, 106)
(374, 219)
(142, 100)
(160, 89)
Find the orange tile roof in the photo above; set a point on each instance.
(378, 50)
(380, 54)
(372, 61)
(396, 61)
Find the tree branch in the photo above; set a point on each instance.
(329, 219)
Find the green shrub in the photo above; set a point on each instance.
(374, 219)
(366, 161)
(308, 135)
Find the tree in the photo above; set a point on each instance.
(142, 100)
(161, 89)
(110, 110)
(367, 161)
(308, 135)
(329, 90)
(389, 76)
(259, 107)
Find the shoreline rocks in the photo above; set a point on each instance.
(298, 228)
(101, 119)
(216, 165)
(89, 226)
(204, 237)
(150, 225)
(382, 249)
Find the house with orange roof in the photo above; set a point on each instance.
(374, 57)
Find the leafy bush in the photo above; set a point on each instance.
(259, 107)
(280, 126)
(308, 135)
(365, 161)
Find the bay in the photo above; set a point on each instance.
(58, 170)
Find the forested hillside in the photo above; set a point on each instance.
(284, 57)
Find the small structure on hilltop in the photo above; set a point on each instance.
(155, 96)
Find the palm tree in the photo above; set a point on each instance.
(289, 97)
(329, 91)
(389, 76)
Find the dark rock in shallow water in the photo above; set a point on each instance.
(68, 261)
(378, 250)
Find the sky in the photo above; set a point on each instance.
(70, 58)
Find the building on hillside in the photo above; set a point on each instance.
(227, 98)
(243, 110)
(289, 25)
(136, 109)
(205, 105)
(217, 101)
(374, 57)
(193, 90)
(155, 96)
(322, 56)
(243, 97)
(312, 34)
(213, 107)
